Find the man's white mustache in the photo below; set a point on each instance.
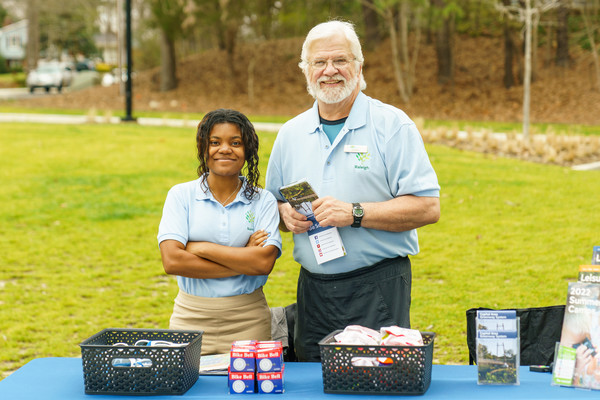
(336, 77)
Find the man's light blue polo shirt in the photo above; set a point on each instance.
(378, 155)
(191, 214)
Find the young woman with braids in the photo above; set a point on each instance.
(219, 235)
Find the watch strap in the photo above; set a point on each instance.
(357, 218)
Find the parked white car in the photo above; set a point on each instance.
(48, 76)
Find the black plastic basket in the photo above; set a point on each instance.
(173, 370)
(408, 374)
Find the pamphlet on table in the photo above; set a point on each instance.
(577, 361)
(596, 256)
(498, 347)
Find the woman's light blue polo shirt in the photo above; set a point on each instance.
(191, 214)
(378, 155)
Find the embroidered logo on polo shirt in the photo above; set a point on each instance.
(362, 161)
(250, 217)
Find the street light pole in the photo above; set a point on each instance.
(128, 85)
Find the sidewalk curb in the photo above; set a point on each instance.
(89, 119)
(179, 123)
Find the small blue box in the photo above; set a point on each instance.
(242, 360)
(270, 382)
(241, 382)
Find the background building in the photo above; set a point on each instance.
(13, 42)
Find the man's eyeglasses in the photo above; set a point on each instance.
(336, 62)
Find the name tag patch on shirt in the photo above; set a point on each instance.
(355, 148)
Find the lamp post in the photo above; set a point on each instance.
(129, 62)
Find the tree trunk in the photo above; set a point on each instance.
(548, 52)
(590, 33)
(230, 42)
(372, 32)
(535, 21)
(33, 35)
(562, 37)
(230, 29)
(265, 18)
(476, 12)
(509, 53)
(444, 39)
(251, 65)
(520, 57)
(527, 77)
(168, 72)
(397, 65)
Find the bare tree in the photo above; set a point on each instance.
(33, 34)
(562, 36)
(168, 17)
(444, 39)
(230, 22)
(401, 18)
(510, 51)
(528, 13)
(372, 32)
(588, 9)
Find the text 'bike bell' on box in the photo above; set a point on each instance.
(256, 367)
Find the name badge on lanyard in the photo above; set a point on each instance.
(355, 148)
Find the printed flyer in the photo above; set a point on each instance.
(326, 242)
(498, 348)
(578, 359)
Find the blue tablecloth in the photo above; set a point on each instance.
(62, 379)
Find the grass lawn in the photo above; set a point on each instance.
(13, 79)
(7, 107)
(81, 207)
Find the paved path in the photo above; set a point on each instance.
(14, 93)
(83, 119)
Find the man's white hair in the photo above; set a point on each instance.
(327, 30)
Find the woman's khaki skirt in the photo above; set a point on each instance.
(223, 319)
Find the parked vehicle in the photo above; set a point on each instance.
(84, 65)
(48, 76)
(115, 76)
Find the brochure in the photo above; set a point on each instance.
(326, 242)
(300, 195)
(596, 256)
(498, 348)
(589, 273)
(215, 364)
(578, 360)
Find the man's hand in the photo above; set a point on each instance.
(294, 221)
(258, 238)
(332, 212)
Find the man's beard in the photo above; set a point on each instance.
(332, 95)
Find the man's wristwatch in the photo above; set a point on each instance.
(357, 212)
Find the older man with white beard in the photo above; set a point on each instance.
(367, 162)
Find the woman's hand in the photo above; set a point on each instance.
(197, 248)
(258, 238)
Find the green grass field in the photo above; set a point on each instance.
(81, 207)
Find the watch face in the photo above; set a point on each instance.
(358, 212)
